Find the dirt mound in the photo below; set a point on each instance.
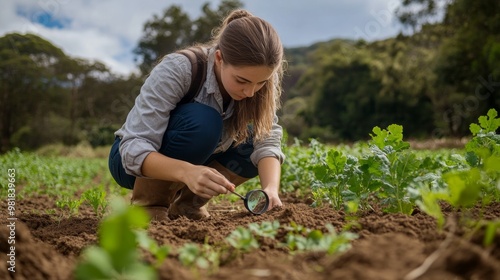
(33, 259)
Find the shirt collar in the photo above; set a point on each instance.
(213, 87)
(211, 82)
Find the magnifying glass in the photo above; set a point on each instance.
(256, 201)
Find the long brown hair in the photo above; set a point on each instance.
(247, 40)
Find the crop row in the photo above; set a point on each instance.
(117, 255)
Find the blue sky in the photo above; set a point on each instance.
(108, 30)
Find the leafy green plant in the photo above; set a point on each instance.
(97, 199)
(301, 239)
(159, 252)
(388, 172)
(394, 167)
(464, 188)
(67, 203)
(295, 175)
(196, 256)
(266, 229)
(337, 179)
(242, 239)
(117, 256)
(485, 143)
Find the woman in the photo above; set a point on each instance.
(177, 156)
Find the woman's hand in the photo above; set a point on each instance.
(269, 173)
(207, 182)
(274, 200)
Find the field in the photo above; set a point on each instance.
(378, 210)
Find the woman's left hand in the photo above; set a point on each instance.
(274, 200)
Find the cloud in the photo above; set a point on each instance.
(301, 24)
(109, 30)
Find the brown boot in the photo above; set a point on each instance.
(155, 196)
(194, 207)
(188, 205)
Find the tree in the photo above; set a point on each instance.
(175, 30)
(162, 35)
(466, 68)
(355, 86)
(28, 64)
(415, 13)
(468, 63)
(205, 25)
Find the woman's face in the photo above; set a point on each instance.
(241, 82)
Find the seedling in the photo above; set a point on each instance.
(97, 199)
(73, 205)
(266, 229)
(242, 239)
(195, 256)
(159, 252)
(303, 239)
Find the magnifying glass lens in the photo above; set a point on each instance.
(257, 201)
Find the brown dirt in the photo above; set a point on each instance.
(389, 245)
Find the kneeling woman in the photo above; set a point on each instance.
(176, 156)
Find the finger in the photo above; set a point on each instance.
(204, 195)
(201, 192)
(275, 203)
(208, 192)
(217, 188)
(220, 185)
(204, 191)
(222, 180)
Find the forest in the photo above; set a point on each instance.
(434, 78)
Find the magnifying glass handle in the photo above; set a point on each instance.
(242, 197)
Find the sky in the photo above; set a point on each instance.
(108, 30)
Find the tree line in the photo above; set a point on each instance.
(434, 81)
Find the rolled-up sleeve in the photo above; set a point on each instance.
(148, 120)
(270, 146)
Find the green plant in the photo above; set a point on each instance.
(485, 143)
(97, 199)
(242, 239)
(266, 229)
(296, 175)
(388, 172)
(464, 188)
(300, 238)
(194, 255)
(117, 256)
(337, 179)
(73, 205)
(394, 167)
(159, 252)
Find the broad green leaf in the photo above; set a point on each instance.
(464, 187)
(492, 164)
(336, 161)
(472, 159)
(474, 128)
(487, 124)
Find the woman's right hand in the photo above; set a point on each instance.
(207, 182)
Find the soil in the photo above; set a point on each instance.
(390, 246)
